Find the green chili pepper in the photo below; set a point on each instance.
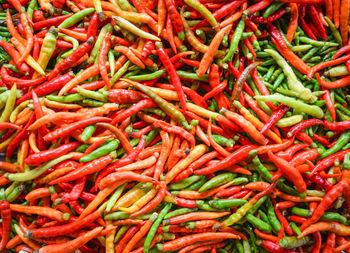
(272, 8)
(295, 228)
(263, 171)
(154, 227)
(66, 99)
(92, 94)
(259, 224)
(217, 180)
(120, 233)
(301, 48)
(300, 106)
(311, 52)
(195, 186)
(327, 216)
(178, 212)
(346, 162)
(123, 23)
(226, 203)
(100, 151)
(258, 205)
(195, 4)
(119, 73)
(275, 223)
(146, 77)
(334, 31)
(289, 121)
(164, 105)
(94, 52)
(119, 215)
(291, 242)
(185, 182)
(293, 83)
(111, 202)
(236, 37)
(263, 216)
(342, 140)
(192, 76)
(239, 246)
(151, 135)
(10, 104)
(32, 174)
(202, 205)
(82, 148)
(76, 17)
(111, 61)
(92, 102)
(31, 6)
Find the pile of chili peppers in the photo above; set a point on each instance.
(174, 126)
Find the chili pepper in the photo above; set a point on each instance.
(262, 20)
(242, 122)
(29, 37)
(101, 59)
(163, 104)
(71, 59)
(6, 217)
(325, 203)
(202, 10)
(173, 75)
(237, 88)
(190, 239)
(293, 83)
(175, 18)
(291, 102)
(246, 207)
(154, 227)
(44, 156)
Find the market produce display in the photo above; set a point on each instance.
(174, 126)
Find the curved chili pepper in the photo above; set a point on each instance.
(71, 59)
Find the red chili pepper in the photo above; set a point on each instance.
(313, 14)
(63, 131)
(275, 116)
(145, 103)
(6, 218)
(303, 23)
(168, 65)
(239, 155)
(189, 203)
(7, 125)
(87, 169)
(289, 171)
(327, 162)
(129, 158)
(175, 17)
(71, 59)
(76, 191)
(273, 17)
(64, 229)
(325, 203)
(302, 125)
(47, 155)
(19, 137)
(50, 22)
(335, 126)
(147, 48)
(47, 87)
(223, 11)
(283, 219)
(176, 130)
(13, 53)
(274, 248)
(321, 139)
(106, 43)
